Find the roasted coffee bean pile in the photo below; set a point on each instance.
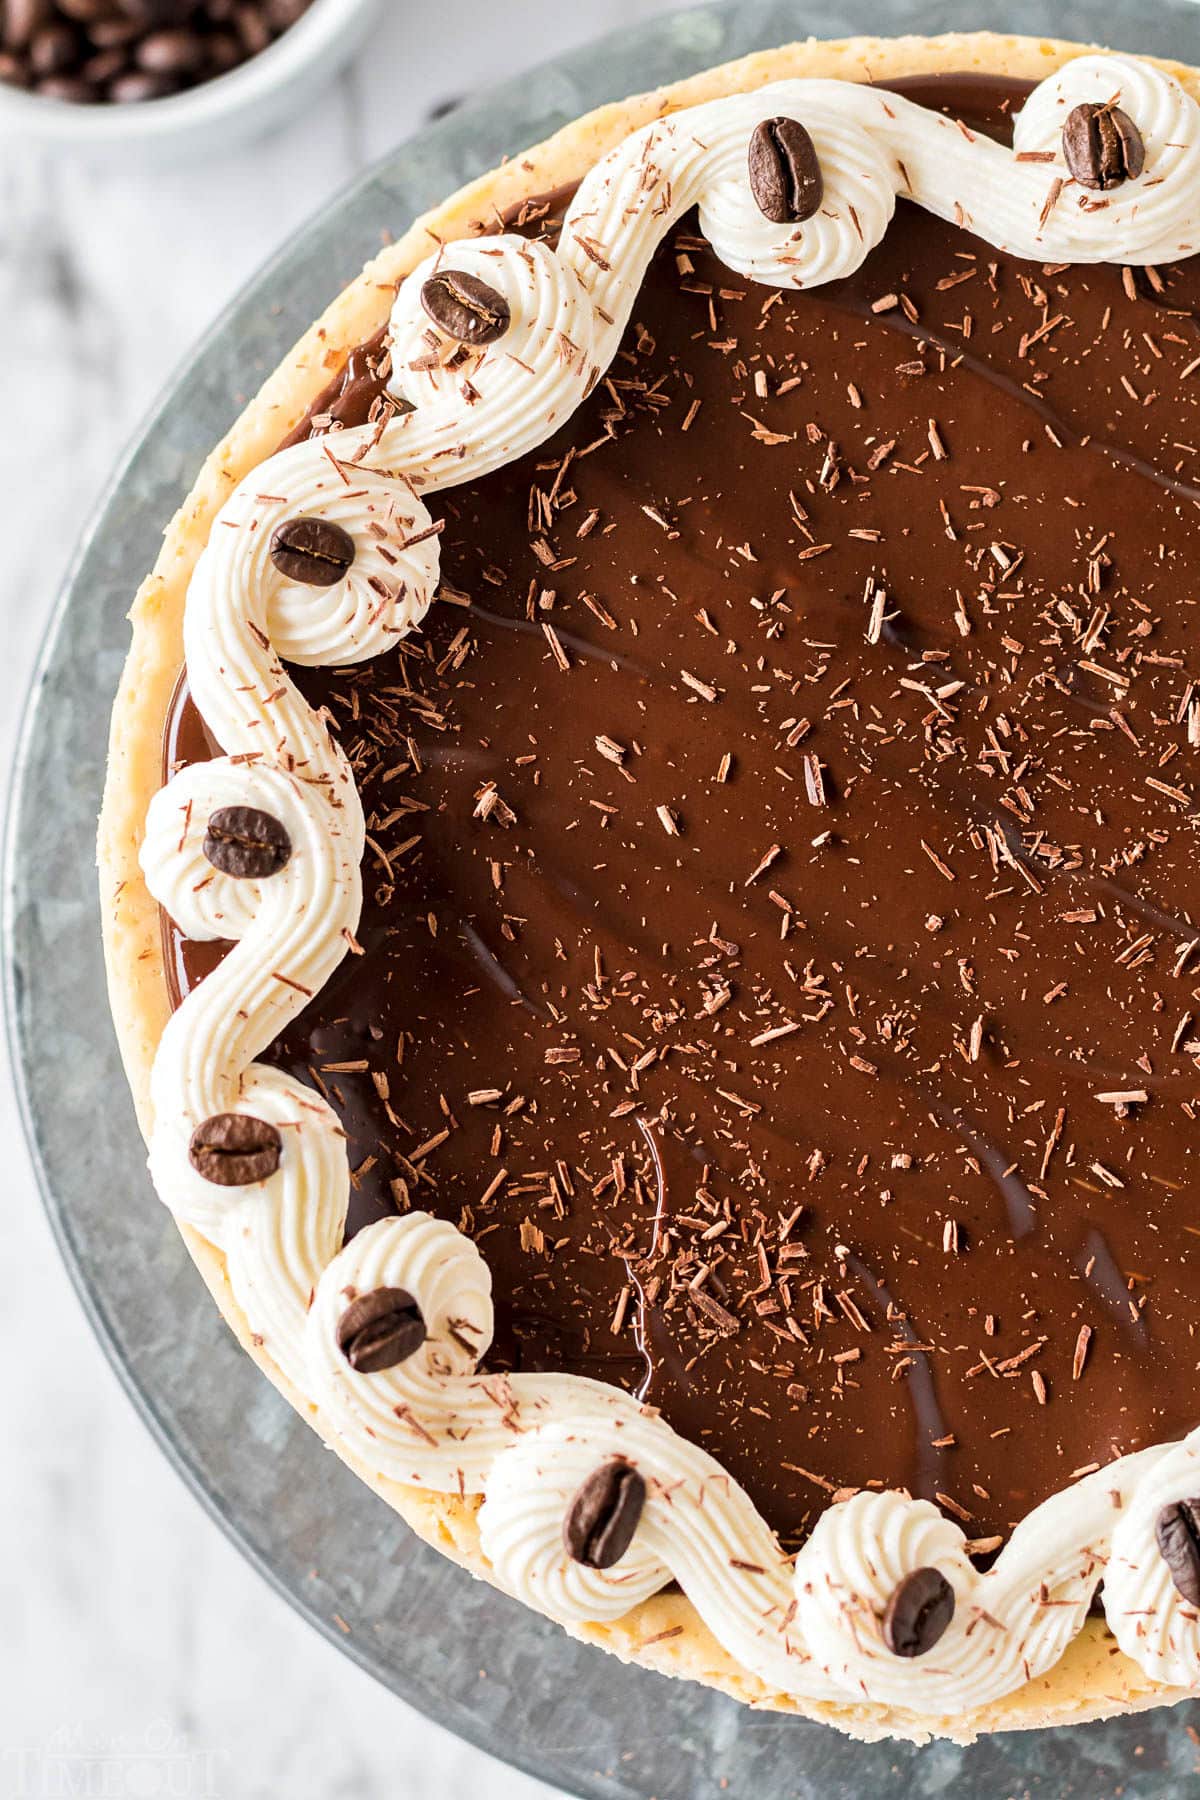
(89, 51)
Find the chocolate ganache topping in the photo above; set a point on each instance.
(778, 946)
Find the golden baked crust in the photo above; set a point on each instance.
(1093, 1679)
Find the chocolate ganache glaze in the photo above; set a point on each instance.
(778, 947)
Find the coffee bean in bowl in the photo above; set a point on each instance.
(128, 51)
(183, 74)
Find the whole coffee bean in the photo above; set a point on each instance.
(252, 28)
(139, 85)
(13, 70)
(246, 843)
(87, 12)
(113, 34)
(785, 175)
(918, 1613)
(604, 1514)
(1103, 146)
(54, 50)
(175, 52)
(234, 1149)
(104, 67)
(224, 52)
(465, 308)
(380, 1329)
(1177, 1533)
(71, 88)
(312, 550)
(20, 19)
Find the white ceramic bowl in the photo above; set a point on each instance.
(247, 101)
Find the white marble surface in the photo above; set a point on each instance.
(139, 1654)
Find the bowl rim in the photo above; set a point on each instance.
(294, 50)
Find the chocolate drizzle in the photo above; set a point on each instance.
(778, 929)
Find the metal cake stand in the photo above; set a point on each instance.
(496, 1674)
